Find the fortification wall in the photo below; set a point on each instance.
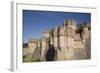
(68, 41)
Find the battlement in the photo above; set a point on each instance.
(69, 22)
(65, 39)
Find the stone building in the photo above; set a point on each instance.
(65, 42)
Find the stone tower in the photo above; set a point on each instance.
(71, 27)
(32, 45)
(56, 37)
(86, 38)
(66, 42)
(45, 44)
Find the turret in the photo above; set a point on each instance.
(46, 34)
(71, 27)
(69, 22)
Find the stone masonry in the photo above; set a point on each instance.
(66, 42)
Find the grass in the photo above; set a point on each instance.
(28, 59)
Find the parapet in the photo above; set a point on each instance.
(69, 22)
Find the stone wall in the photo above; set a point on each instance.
(69, 42)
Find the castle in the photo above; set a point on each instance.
(66, 42)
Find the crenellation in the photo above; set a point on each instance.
(67, 41)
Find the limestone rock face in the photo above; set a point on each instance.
(66, 42)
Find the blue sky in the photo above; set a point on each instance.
(36, 22)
